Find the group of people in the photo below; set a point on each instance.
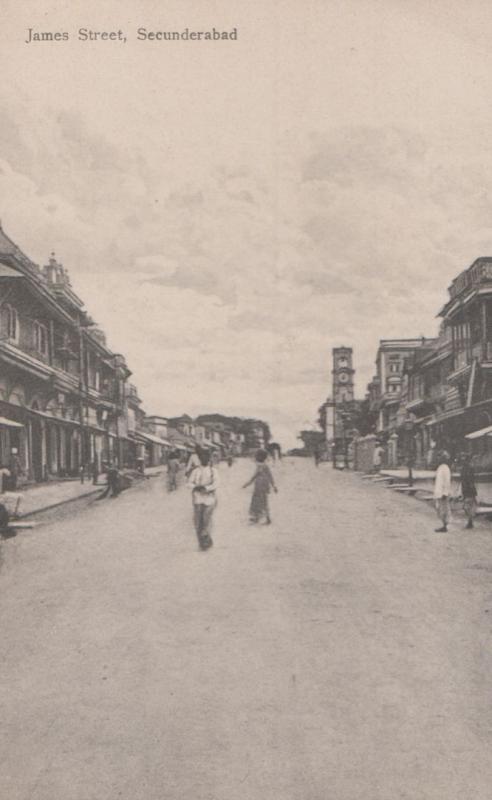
(442, 490)
(203, 480)
(442, 484)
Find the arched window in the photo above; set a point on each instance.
(41, 338)
(12, 323)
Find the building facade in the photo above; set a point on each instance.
(61, 388)
(385, 389)
(451, 389)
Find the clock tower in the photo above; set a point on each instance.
(343, 375)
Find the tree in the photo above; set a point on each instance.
(358, 417)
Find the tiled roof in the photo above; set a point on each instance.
(7, 247)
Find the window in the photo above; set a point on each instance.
(395, 367)
(12, 323)
(41, 338)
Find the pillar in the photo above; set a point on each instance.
(393, 451)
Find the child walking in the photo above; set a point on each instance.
(263, 482)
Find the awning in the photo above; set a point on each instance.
(180, 443)
(9, 423)
(152, 438)
(482, 432)
(8, 272)
(51, 417)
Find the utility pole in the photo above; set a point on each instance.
(82, 388)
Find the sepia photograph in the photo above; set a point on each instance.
(246, 400)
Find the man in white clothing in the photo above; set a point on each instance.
(203, 482)
(442, 490)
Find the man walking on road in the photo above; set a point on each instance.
(203, 482)
(442, 490)
(468, 490)
(172, 472)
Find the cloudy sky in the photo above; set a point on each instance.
(230, 211)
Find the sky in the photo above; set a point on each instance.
(230, 211)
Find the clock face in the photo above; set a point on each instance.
(343, 377)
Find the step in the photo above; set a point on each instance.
(17, 524)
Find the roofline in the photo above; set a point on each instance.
(395, 342)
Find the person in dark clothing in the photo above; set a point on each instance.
(6, 532)
(4, 478)
(468, 490)
(113, 482)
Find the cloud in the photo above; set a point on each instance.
(234, 286)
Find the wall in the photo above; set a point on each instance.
(364, 453)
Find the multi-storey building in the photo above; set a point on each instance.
(384, 391)
(463, 384)
(61, 388)
(425, 391)
(447, 383)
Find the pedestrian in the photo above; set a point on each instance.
(4, 478)
(377, 458)
(431, 455)
(203, 483)
(442, 490)
(113, 487)
(173, 467)
(141, 465)
(193, 461)
(263, 482)
(468, 490)
(15, 469)
(317, 456)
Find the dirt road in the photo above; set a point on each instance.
(344, 653)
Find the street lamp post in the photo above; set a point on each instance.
(409, 428)
(345, 418)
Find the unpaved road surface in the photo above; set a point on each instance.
(344, 653)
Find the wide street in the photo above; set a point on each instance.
(341, 654)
